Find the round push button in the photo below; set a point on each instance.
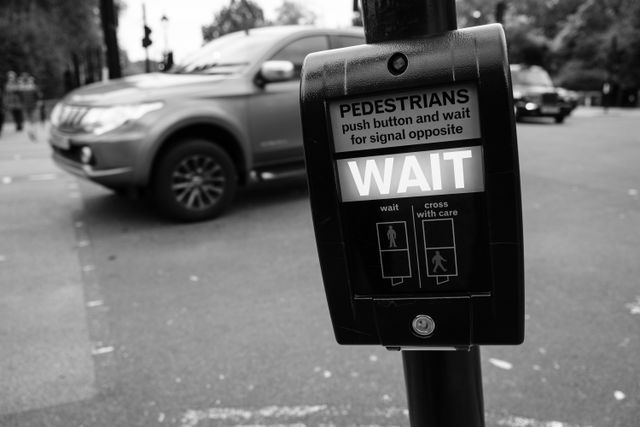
(423, 325)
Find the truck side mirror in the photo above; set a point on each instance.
(276, 71)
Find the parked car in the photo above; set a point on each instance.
(228, 114)
(534, 94)
(569, 99)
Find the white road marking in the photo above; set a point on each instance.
(502, 364)
(292, 416)
(390, 412)
(43, 177)
(530, 422)
(271, 425)
(95, 303)
(634, 307)
(191, 418)
(33, 178)
(102, 350)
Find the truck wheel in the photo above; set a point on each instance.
(559, 118)
(195, 180)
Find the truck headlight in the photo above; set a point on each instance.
(55, 114)
(99, 120)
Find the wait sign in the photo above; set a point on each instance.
(417, 174)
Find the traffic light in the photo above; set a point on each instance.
(501, 7)
(146, 41)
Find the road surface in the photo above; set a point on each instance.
(112, 316)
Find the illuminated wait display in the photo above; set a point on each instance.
(417, 174)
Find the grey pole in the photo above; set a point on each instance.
(444, 388)
(386, 20)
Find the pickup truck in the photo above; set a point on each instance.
(229, 114)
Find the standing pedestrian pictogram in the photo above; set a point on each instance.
(393, 246)
(391, 235)
(440, 249)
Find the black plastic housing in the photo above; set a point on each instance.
(484, 303)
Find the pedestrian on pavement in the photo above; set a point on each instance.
(1, 107)
(31, 100)
(13, 99)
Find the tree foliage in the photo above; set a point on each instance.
(238, 15)
(245, 14)
(602, 37)
(42, 38)
(582, 43)
(293, 13)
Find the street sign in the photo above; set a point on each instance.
(414, 185)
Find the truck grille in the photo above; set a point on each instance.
(549, 98)
(71, 116)
(73, 153)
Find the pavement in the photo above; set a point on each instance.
(45, 356)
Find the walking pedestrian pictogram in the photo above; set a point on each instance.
(393, 246)
(440, 249)
(437, 262)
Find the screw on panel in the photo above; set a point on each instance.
(423, 325)
(397, 64)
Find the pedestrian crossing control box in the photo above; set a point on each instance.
(414, 184)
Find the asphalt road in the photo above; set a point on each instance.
(111, 316)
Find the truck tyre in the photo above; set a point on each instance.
(194, 180)
(559, 118)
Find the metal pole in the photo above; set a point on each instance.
(109, 28)
(386, 20)
(444, 388)
(147, 65)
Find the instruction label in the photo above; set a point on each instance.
(426, 116)
(418, 245)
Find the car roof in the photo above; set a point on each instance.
(286, 33)
(285, 30)
(518, 67)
